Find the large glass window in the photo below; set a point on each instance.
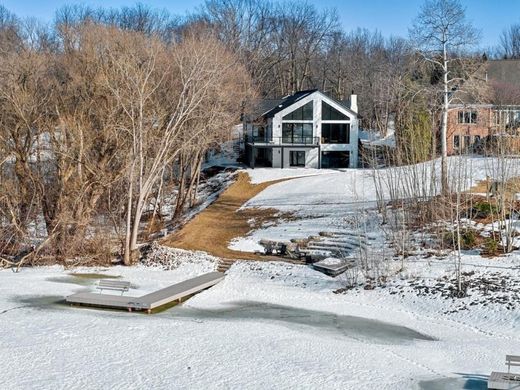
(468, 117)
(303, 113)
(456, 141)
(335, 159)
(329, 113)
(297, 133)
(259, 134)
(335, 133)
(297, 158)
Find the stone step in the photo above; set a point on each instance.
(357, 235)
(225, 264)
(330, 248)
(338, 244)
(346, 240)
(316, 253)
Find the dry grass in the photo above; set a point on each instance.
(213, 229)
(511, 187)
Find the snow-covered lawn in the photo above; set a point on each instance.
(267, 325)
(327, 200)
(261, 175)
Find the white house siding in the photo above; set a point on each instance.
(311, 156)
(274, 127)
(277, 157)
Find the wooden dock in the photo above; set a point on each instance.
(149, 301)
(333, 269)
(503, 381)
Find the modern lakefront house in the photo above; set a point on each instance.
(306, 129)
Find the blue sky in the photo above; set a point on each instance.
(388, 16)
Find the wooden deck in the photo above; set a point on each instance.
(503, 380)
(149, 301)
(332, 269)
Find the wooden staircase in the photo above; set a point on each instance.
(225, 264)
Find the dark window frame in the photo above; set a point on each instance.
(330, 159)
(329, 113)
(303, 113)
(330, 135)
(297, 158)
(297, 133)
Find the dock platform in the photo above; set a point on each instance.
(152, 300)
(503, 381)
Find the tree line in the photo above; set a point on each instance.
(95, 116)
(102, 109)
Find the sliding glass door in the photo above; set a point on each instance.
(297, 158)
(297, 133)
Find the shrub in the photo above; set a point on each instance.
(484, 209)
(468, 239)
(447, 240)
(490, 246)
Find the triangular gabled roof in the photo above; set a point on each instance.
(287, 101)
(268, 108)
(343, 105)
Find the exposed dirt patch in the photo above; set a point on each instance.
(213, 229)
(510, 187)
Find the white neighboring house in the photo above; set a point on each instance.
(307, 129)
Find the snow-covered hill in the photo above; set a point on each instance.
(329, 200)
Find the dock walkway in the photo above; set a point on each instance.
(149, 301)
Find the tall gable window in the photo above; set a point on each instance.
(304, 113)
(467, 117)
(329, 113)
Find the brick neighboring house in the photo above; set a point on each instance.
(472, 126)
(469, 126)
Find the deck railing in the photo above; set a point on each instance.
(278, 141)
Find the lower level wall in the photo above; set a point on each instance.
(281, 157)
(351, 148)
(311, 157)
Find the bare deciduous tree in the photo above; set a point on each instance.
(509, 47)
(441, 32)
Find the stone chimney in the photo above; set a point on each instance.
(353, 103)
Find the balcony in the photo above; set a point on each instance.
(281, 141)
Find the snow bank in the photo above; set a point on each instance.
(261, 175)
(171, 258)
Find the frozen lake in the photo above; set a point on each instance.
(267, 325)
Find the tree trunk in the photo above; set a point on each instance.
(127, 257)
(444, 125)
